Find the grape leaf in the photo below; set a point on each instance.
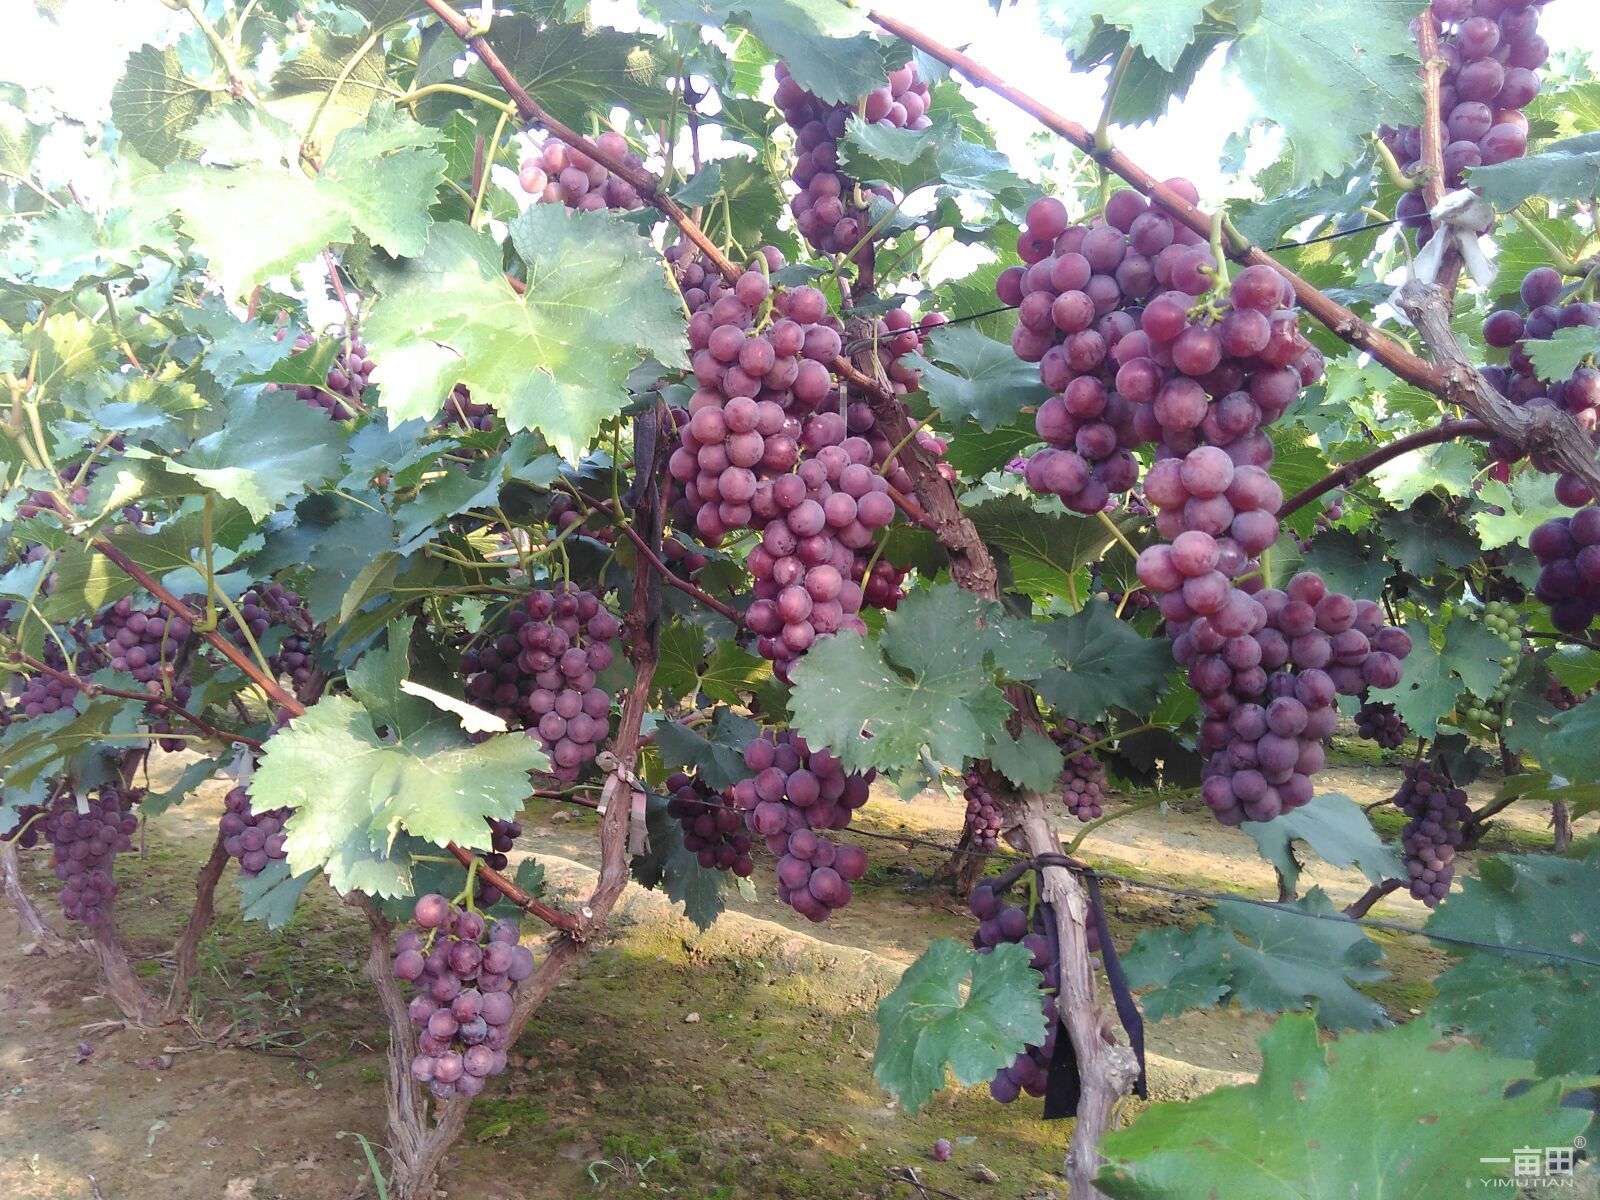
(719, 759)
(1427, 691)
(1030, 761)
(1105, 664)
(974, 453)
(1285, 962)
(683, 649)
(349, 72)
(1527, 503)
(731, 671)
(1349, 562)
(354, 791)
(575, 69)
(556, 359)
(1474, 653)
(1059, 543)
(1572, 746)
(154, 803)
(1450, 468)
(909, 159)
(1161, 29)
(1336, 828)
(154, 102)
(1425, 537)
(927, 683)
(1564, 170)
(671, 868)
(272, 895)
(967, 375)
(1373, 1114)
(66, 246)
(1328, 75)
(926, 1027)
(1555, 358)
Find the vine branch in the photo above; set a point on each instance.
(1361, 467)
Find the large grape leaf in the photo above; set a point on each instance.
(1474, 653)
(256, 221)
(1509, 513)
(909, 159)
(1350, 563)
(1450, 468)
(1519, 1005)
(556, 359)
(155, 102)
(65, 246)
(1395, 1113)
(1147, 86)
(1030, 760)
(1329, 72)
(575, 69)
(968, 375)
(1425, 537)
(1337, 829)
(926, 1027)
(717, 759)
(1555, 358)
(1045, 549)
(929, 683)
(273, 895)
(1286, 961)
(1161, 29)
(668, 866)
(1104, 664)
(1571, 747)
(325, 61)
(1565, 170)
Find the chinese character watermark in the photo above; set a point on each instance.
(1533, 1167)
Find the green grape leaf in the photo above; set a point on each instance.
(1031, 761)
(353, 792)
(1521, 1006)
(910, 159)
(253, 222)
(1328, 75)
(1527, 503)
(1349, 562)
(1045, 549)
(1161, 29)
(334, 540)
(273, 895)
(1393, 1113)
(929, 683)
(718, 759)
(683, 649)
(1572, 745)
(967, 375)
(927, 1028)
(349, 72)
(19, 141)
(575, 69)
(669, 867)
(1564, 170)
(1541, 787)
(1336, 828)
(974, 453)
(556, 359)
(154, 103)
(1427, 691)
(66, 246)
(272, 448)
(1450, 468)
(1474, 653)
(1555, 358)
(1286, 961)
(47, 745)
(731, 672)
(1104, 664)
(1426, 537)
(155, 803)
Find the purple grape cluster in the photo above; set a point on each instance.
(84, 846)
(984, 822)
(254, 839)
(1438, 810)
(1380, 723)
(563, 174)
(1519, 382)
(24, 830)
(1492, 51)
(1560, 696)
(1083, 776)
(465, 972)
(1113, 314)
(503, 836)
(713, 831)
(1568, 550)
(340, 395)
(43, 694)
(540, 675)
(147, 643)
(462, 412)
(828, 209)
(264, 607)
(795, 792)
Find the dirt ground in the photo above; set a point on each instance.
(731, 1064)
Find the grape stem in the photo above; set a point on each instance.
(1391, 167)
(1122, 538)
(1102, 131)
(667, 577)
(1365, 465)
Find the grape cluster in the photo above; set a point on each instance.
(714, 832)
(540, 675)
(563, 174)
(83, 847)
(829, 210)
(1561, 696)
(1138, 348)
(1568, 550)
(1001, 924)
(1438, 809)
(1519, 382)
(340, 396)
(795, 792)
(264, 607)
(502, 836)
(1380, 723)
(984, 822)
(1491, 50)
(147, 643)
(25, 829)
(43, 694)
(1083, 776)
(461, 411)
(465, 972)
(255, 839)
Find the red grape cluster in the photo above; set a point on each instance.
(828, 209)
(1568, 550)
(83, 846)
(795, 792)
(347, 379)
(24, 830)
(264, 607)
(1560, 696)
(1491, 51)
(43, 694)
(1137, 347)
(1001, 924)
(713, 831)
(563, 174)
(1437, 809)
(255, 839)
(145, 642)
(465, 972)
(502, 836)
(1083, 776)
(461, 411)
(541, 674)
(1519, 382)
(1380, 723)
(983, 813)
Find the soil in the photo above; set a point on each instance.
(735, 1063)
